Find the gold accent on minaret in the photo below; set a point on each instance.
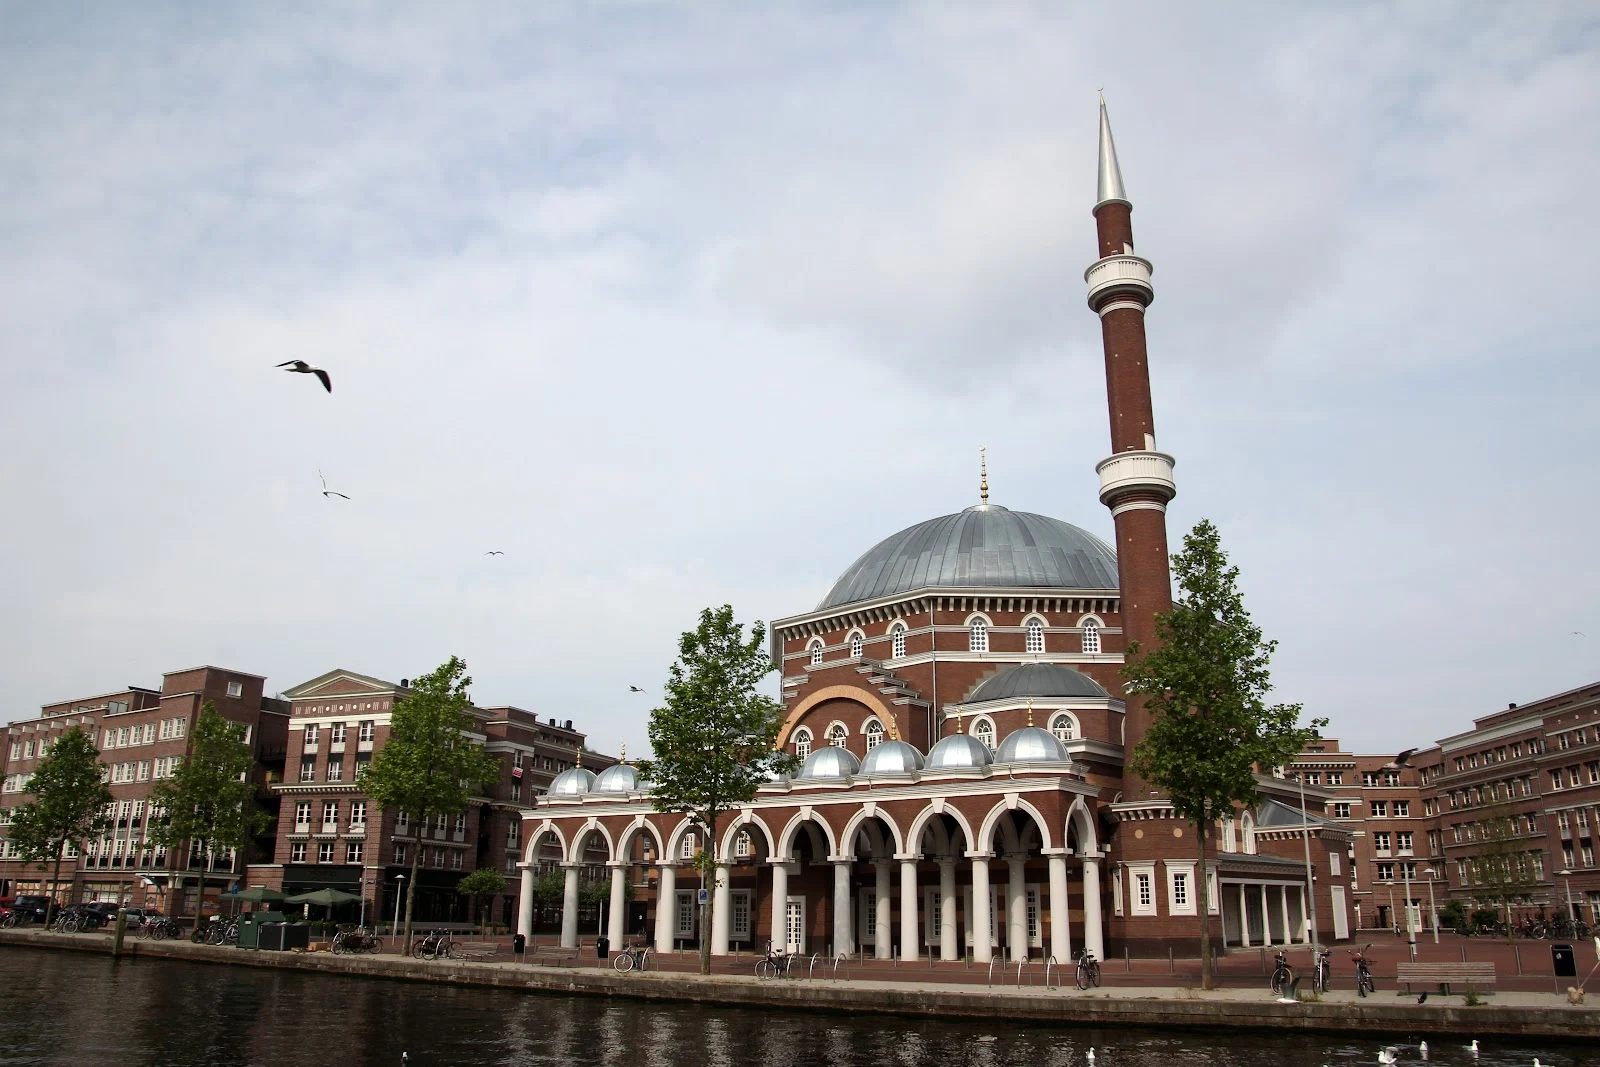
(983, 475)
(624, 756)
(580, 757)
(1030, 711)
(959, 728)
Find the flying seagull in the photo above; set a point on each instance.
(300, 366)
(494, 552)
(329, 492)
(634, 689)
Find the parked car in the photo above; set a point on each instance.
(138, 916)
(35, 904)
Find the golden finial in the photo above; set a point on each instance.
(959, 728)
(580, 756)
(983, 475)
(624, 756)
(1030, 711)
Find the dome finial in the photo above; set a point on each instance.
(959, 728)
(1030, 711)
(983, 476)
(623, 757)
(1109, 188)
(580, 757)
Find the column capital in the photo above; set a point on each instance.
(908, 857)
(979, 855)
(840, 861)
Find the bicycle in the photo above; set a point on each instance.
(354, 939)
(1282, 975)
(1364, 982)
(774, 964)
(439, 943)
(631, 958)
(1088, 969)
(1322, 971)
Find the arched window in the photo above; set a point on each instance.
(838, 735)
(687, 850)
(816, 651)
(897, 640)
(1091, 637)
(802, 742)
(1230, 843)
(1247, 828)
(1035, 636)
(741, 844)
(978, 635)
(856, 641)
(1063, 727)
(983, 730)
(874, 734)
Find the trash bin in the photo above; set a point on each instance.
(602, 947)
(519, 945)
(271, 939)
(251, 924)
(1564, 961)
(296, 935)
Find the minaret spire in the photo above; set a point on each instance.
(983, 476)
(1110, 189)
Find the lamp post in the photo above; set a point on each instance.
(1411, 927)
(399, 892)
(1566, 880)
(1311, 882)
(1433, 910)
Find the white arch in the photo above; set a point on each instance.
(1077, 727)
(852, 637)
(828, 734)
(972, 621)
(978, 616)
(986, 831)
(1091, 619)
(994, 731)
(530, 852)
(675, 838)
(930, 814)
(786, 839)
(861, 816)
(898, 630)
(1247, 833)
(1088, 839)
(639, 825)
(814, 649)
(743, 821)
(582, 836)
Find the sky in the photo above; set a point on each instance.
(683, 304)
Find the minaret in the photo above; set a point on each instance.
(1135, 480)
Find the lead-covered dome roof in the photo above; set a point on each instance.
(958, 752)
(829, 761)
(618, 778)
(892, 757)
(1036, 680)
(573, 782)
(983, 546)
(1030, 744)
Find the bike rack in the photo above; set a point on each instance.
(836, 959)
(1050, 963)
(990, 980)
(812, 970)
(1023, 962)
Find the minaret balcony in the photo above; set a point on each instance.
(1119, 275)
(1136, 475)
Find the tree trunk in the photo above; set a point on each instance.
(55, 880)
(411, 889)
(708, 881)
(1203, 898)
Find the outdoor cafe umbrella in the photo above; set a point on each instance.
(326, 897)
(257, 894)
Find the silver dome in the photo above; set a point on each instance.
(984, 546)
(892, 757)
(1035, 680)
(573, 782)
(1031, 745)
(958, 752)
(830, 761)
(619, 778)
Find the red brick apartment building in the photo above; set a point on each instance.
(141, 734)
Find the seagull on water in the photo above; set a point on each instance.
(1423, 1048)
(1387, 1056)
(1090, 1057)
(300, 366)
(1473, 1048)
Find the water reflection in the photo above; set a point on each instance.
(63, 1008)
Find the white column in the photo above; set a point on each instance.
(1017, 908)
(1266, 918)
(949, 921)
(982, 950)
(883, 943)
(1244, 918)
(780, 906)
(666, 908)
(1288, 930)
(1060, 911)
(909, 937)
(525, 903)
(721, 905)
(843, 942)
(1094, 928)
(615, 918)
(569, 909)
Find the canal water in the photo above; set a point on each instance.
(86, 1010)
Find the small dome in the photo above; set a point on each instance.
(620, 778)
(958, 752)
(830, 761)
(892, 757)
(1036, 680)
(1031, 745)
(573, 782)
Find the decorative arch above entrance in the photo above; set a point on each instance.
(860, 696)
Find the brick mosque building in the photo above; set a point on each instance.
(956, 704)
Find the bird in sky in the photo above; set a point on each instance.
(329, 492)
(1579, 633)
(300, 366)
(634, 689)
(494, 552)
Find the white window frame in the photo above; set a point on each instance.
(981, 726)
(838, 734)
(897, 641)
(874, 732)
(858, 641)
(1142, 888)
(814, 648)
(688, 845)
(236, 689)
(297, 852)
(1071, 722)
(978, 627)
(325, 852)
(740, 914)
(353, 851)
(802, 742)
(1180, 881)
(1089, 630)
(1033, 627)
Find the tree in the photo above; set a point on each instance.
(429, 766)
(1501, 870)
(712, 740)
(69, 804)
(483, 882)
(209, 800)
(1205, 684)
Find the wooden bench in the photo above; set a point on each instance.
(1475, 976)
(473, 950)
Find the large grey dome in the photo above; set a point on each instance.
(892, 757)
(572, 782)
(983, 546)
(1031, 745)
(830, 761)
(958, 752)
(1036, 680)
(618, 778)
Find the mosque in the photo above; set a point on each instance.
(956, 705)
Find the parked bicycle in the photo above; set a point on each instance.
(159, 928)
(1282, 975)
(1088, 969)
(432, 946)
(1364, 982)
(16, 917)
(1322, 972)
(632, 958)
(774, 964)
(351, 940)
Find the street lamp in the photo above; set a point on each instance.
(1566, 880)
(1403, 760)
(399, 892)
(1433, 911)
(1311, 882)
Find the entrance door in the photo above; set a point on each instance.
(867, 917)
(1341, 924)
(795, 926)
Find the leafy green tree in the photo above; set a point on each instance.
(549, 891)
(1501, 871)
(713, 738)
(429, 766)
(209, 800)
(1205, 684)
(69, 803)
(483, 882)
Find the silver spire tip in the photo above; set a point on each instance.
(1110, 189)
